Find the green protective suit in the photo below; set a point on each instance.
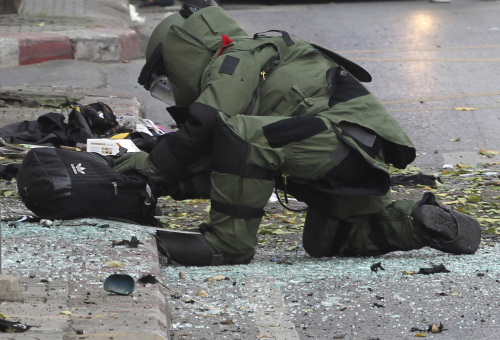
(255, 109)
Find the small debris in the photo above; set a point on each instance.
(227, 322)
(46, 223)
(434, 328)
(148, 278)
(133, 243)
(13, 326)
(434, 270)
(283, 262)
(376, 267)
(217, 278)
(416, 180)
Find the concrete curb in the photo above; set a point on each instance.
(86, 30)
(65, 295)
(97, 45)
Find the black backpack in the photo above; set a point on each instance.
(62, 184)
(98, 117)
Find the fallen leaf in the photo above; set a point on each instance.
(487, 153)
(408, 272)
(202, 293)
(221, 277)
(284, 262)
(435, 328)
(7, 193)
(421, 335)
(180, 214)
(114, 264)
(227, 322)
(461, 108)
(491, 231)
(473, 198)
(455, 140)
(65, 312)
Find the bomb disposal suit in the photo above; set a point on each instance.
(255, 112)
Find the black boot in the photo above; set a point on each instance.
(446, 229)
(187, 248)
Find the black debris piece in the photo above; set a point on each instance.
(434, 328)
(13, 326)
(148, 278)
(133, 243)
(9, 171)
(416, 329)
(376, 267)
(414, 180)
(434, 270)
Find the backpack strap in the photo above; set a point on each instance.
(286, 37)
(357, 71)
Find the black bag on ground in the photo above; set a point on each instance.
(63, 184)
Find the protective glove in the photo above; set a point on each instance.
(136, 161)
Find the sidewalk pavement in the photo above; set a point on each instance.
(61, 267)
(90, 30)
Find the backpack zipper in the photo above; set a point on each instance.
(115, 185)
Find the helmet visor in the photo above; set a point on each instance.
(162, 90)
